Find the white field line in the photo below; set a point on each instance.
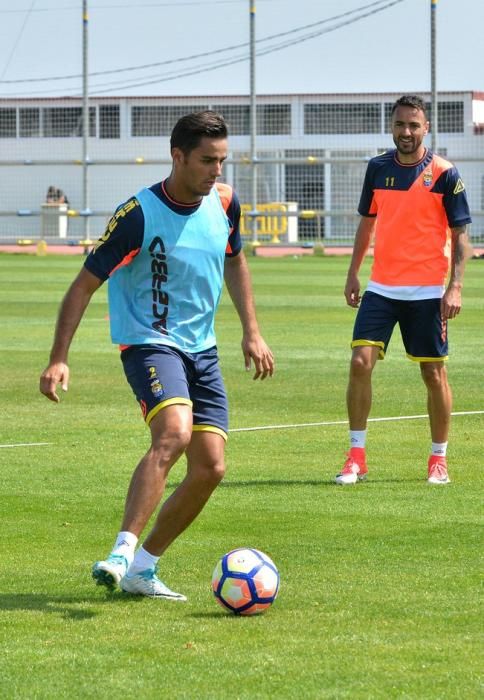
(292, 425)
(28, 444)
(345, 422)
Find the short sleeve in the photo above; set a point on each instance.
(121, 240)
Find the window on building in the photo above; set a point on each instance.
(8, 122)
(67, 121)
(272, 119)
(451, 116)
(29, 122)
(158, 120)
(109, 122)
(237, 118)
(352, 118)
(149, 120)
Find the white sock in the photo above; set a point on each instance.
(439, 448)
(125, 545)
(357, 438)
(142, 560)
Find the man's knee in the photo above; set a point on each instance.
(206, 458)
(174, 440)
(171, 432)
(362, 362)
(211, 472)
(168, 446)
(434, 374)
(217, 472)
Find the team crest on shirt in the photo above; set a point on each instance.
(427, 178)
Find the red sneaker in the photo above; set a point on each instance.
(354, 468)
(437, 470)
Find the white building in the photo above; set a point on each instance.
(311, 149)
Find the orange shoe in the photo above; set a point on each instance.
(354, 468)
(437, 470)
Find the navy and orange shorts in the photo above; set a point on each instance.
(161, 375)
(424, 334)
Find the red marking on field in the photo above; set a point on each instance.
(261, 251)
(274, 251)
(56, 249)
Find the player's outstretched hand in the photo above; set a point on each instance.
(256, 350)
(54, 374)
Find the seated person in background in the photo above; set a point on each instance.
(56, 196)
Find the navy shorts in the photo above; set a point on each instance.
(160, 376)
(424, 334)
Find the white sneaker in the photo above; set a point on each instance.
(147, 583)
(110, 572)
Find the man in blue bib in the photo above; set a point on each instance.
(166, 252)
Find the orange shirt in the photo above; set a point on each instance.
(414, 205)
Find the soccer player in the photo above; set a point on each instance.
(166, 252)
(410, 199)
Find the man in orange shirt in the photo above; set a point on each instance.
(413, 205)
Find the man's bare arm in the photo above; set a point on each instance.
(363, 237)
(71, 312)
(254, 347)
(451, 303)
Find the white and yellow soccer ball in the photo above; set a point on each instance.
(245, 581)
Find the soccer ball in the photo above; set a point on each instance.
(245, 581)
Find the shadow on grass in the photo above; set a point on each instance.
(272, 482)
(377, 482)
(305, 482)
(43, 602)
(312, 482)
(264, 482)
(67, 607)
(220, 615)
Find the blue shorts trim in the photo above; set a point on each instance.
(424, 334)
(161, 376)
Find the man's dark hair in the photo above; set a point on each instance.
(190, 129)
(413, 101)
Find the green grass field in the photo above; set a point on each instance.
(380, 582)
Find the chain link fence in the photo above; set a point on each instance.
(311, 156)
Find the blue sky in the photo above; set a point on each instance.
(322, 46)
